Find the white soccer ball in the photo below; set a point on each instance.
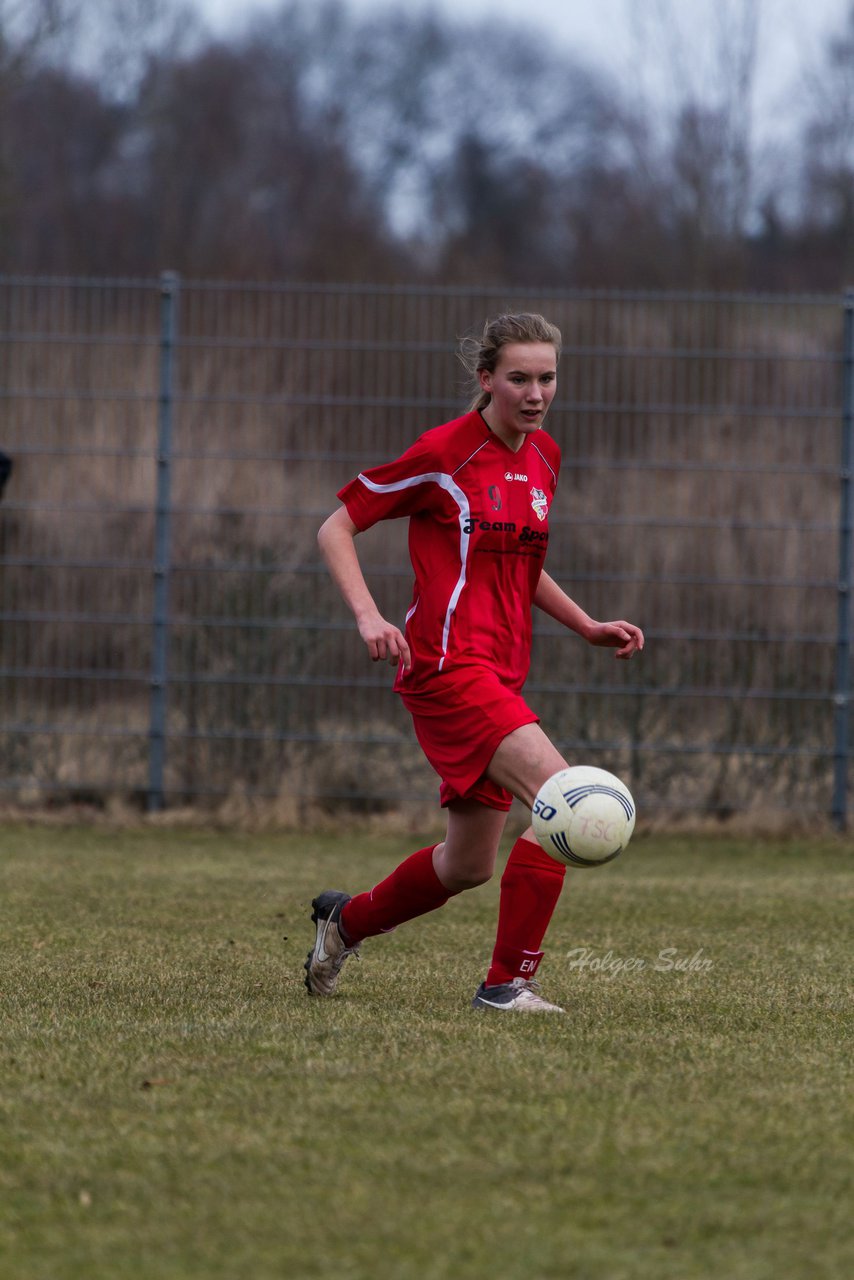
(583, 816)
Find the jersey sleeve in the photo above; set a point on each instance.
(393, 490)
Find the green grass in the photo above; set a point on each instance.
(172, 1104)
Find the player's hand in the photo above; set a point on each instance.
(385, 642)
(623, 636)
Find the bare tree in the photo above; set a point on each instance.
(250, 180)
(30, 28)
(117, 41)
(324, 142)
(700, 127)
(828, 159)
(470, 133)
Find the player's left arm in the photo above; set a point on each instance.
(623, 636)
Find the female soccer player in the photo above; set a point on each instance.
(477, 492)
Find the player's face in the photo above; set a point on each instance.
(522, 387)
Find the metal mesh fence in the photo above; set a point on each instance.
(170, 635)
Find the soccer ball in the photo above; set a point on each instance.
(583, 816)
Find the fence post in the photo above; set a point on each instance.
(169, 288)
(842, 698)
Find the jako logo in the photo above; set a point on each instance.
(515, 475)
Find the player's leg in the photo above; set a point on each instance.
(427, 878)
(423, 882)
(466, 857)
(523, 760)
(532, 881)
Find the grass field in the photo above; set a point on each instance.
(173, 1104)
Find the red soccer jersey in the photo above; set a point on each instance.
(478, 532)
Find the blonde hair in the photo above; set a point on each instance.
(483, 354)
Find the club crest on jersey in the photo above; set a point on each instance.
(495, 497)
(540, 503)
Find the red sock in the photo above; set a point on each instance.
(412, 890)
(530, 888)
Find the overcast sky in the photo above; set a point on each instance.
(631, 39)
(792, 31)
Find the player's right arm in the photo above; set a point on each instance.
(336, 539)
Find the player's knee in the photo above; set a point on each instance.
(466, 878)
(459, 874)
(466, 861)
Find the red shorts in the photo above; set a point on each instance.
(459, 723)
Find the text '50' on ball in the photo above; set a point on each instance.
(583, 816)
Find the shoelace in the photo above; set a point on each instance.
(527, 984)
(348, 951)
(532, 988)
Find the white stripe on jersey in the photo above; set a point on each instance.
(445, 482)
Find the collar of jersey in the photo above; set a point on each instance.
(514, 454)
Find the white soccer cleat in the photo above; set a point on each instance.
(327, 956)
(520, 996)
